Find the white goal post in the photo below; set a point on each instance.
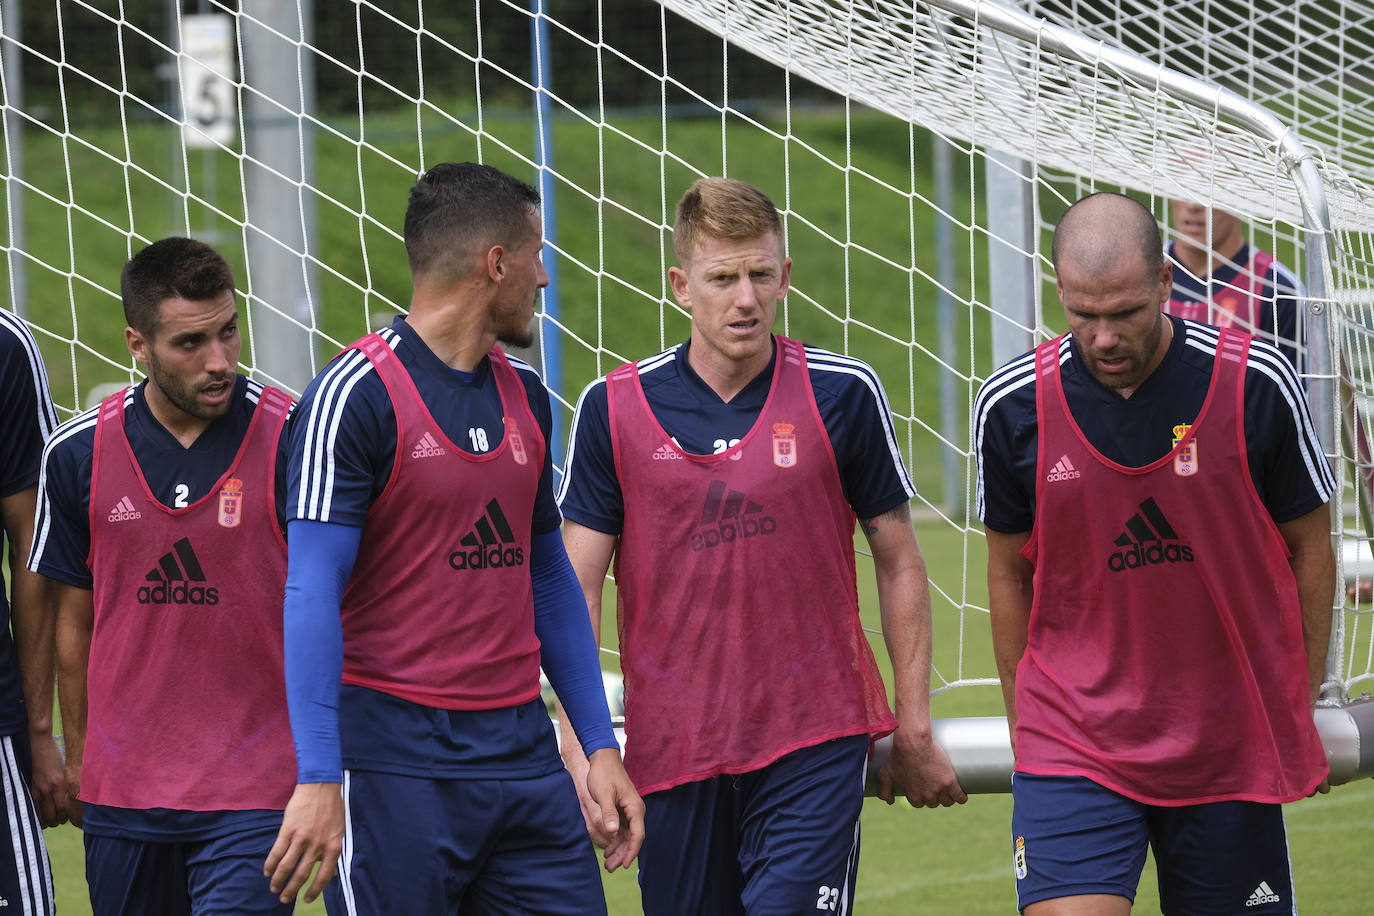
(882, 128)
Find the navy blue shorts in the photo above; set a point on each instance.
(218, 876)
(25, 875)
(1071, 836)
(475, 846)
(783, 839)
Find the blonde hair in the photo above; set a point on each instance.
(722, 208)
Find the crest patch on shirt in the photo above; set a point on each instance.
(231, 503)
(1185, 462)
(784, 445)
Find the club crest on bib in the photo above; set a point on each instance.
(1185, 462)
(231, 503)
(517, 444)
(784, 445)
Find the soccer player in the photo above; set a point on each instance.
(724, 475)
(1161, 582)
(1227, 282)
(158, 526)
(428, 574)
(30, 764)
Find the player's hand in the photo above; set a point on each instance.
(72, 774)
(312, 830)
(618, 810)
(49, 787)
(577, 765)
(921, 769)
(1322, 788)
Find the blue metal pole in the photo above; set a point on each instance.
(551, 344)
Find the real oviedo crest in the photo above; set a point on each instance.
(517, 444)
(231, 503)
(1185, 462)
(784, 445)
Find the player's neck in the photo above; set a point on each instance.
(726, 377)
(184, 427)
(1200, 262)
(454, 333)
(1166, 338)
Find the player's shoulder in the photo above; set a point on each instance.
(841, 374)
(1009, 392)
(341, 380)
(652, 371)
(15, 337)
(73, 440)
(526, 372)
(1278, 273)
(1265, 368)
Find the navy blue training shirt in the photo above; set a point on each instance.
(1287, 464)
(849, 395)
(26, 418)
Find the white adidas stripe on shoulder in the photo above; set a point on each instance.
(658, 360)
(1008, 379)
(1268, 361)
(322, 427)
(572, 437)
(827, 361)
(43, 519)
(520, 365)
(47, 413)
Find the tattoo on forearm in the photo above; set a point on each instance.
(901, 514)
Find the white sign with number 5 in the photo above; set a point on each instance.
(208, 113)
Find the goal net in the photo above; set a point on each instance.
(911, 147)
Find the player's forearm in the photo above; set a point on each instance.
(569, 653)
(35, 639)
(904, 605)
(1010, 596)
(32, 613)
(75, 623)
(320, 562)
(1314, 569)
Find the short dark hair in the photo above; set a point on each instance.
(1130, 223)
(171, 268)
(725, 209)
(460, 209)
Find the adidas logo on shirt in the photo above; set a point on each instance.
(1145, 540)
(489, 545)
(726, 517)
(665, 452)
(427, 447)
(1262, 894)
(173, 577)
(124, 511)
(1063, 470)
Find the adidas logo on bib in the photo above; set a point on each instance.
(124, 511)
(1149, 539)
(490, 544)
(730, 516)
(1063, 470)
(173, 579)
(427, 447)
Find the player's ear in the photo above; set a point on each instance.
(784, 278)
(1166, 281)
(677, 279)
(138, 344)
(496, 263)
